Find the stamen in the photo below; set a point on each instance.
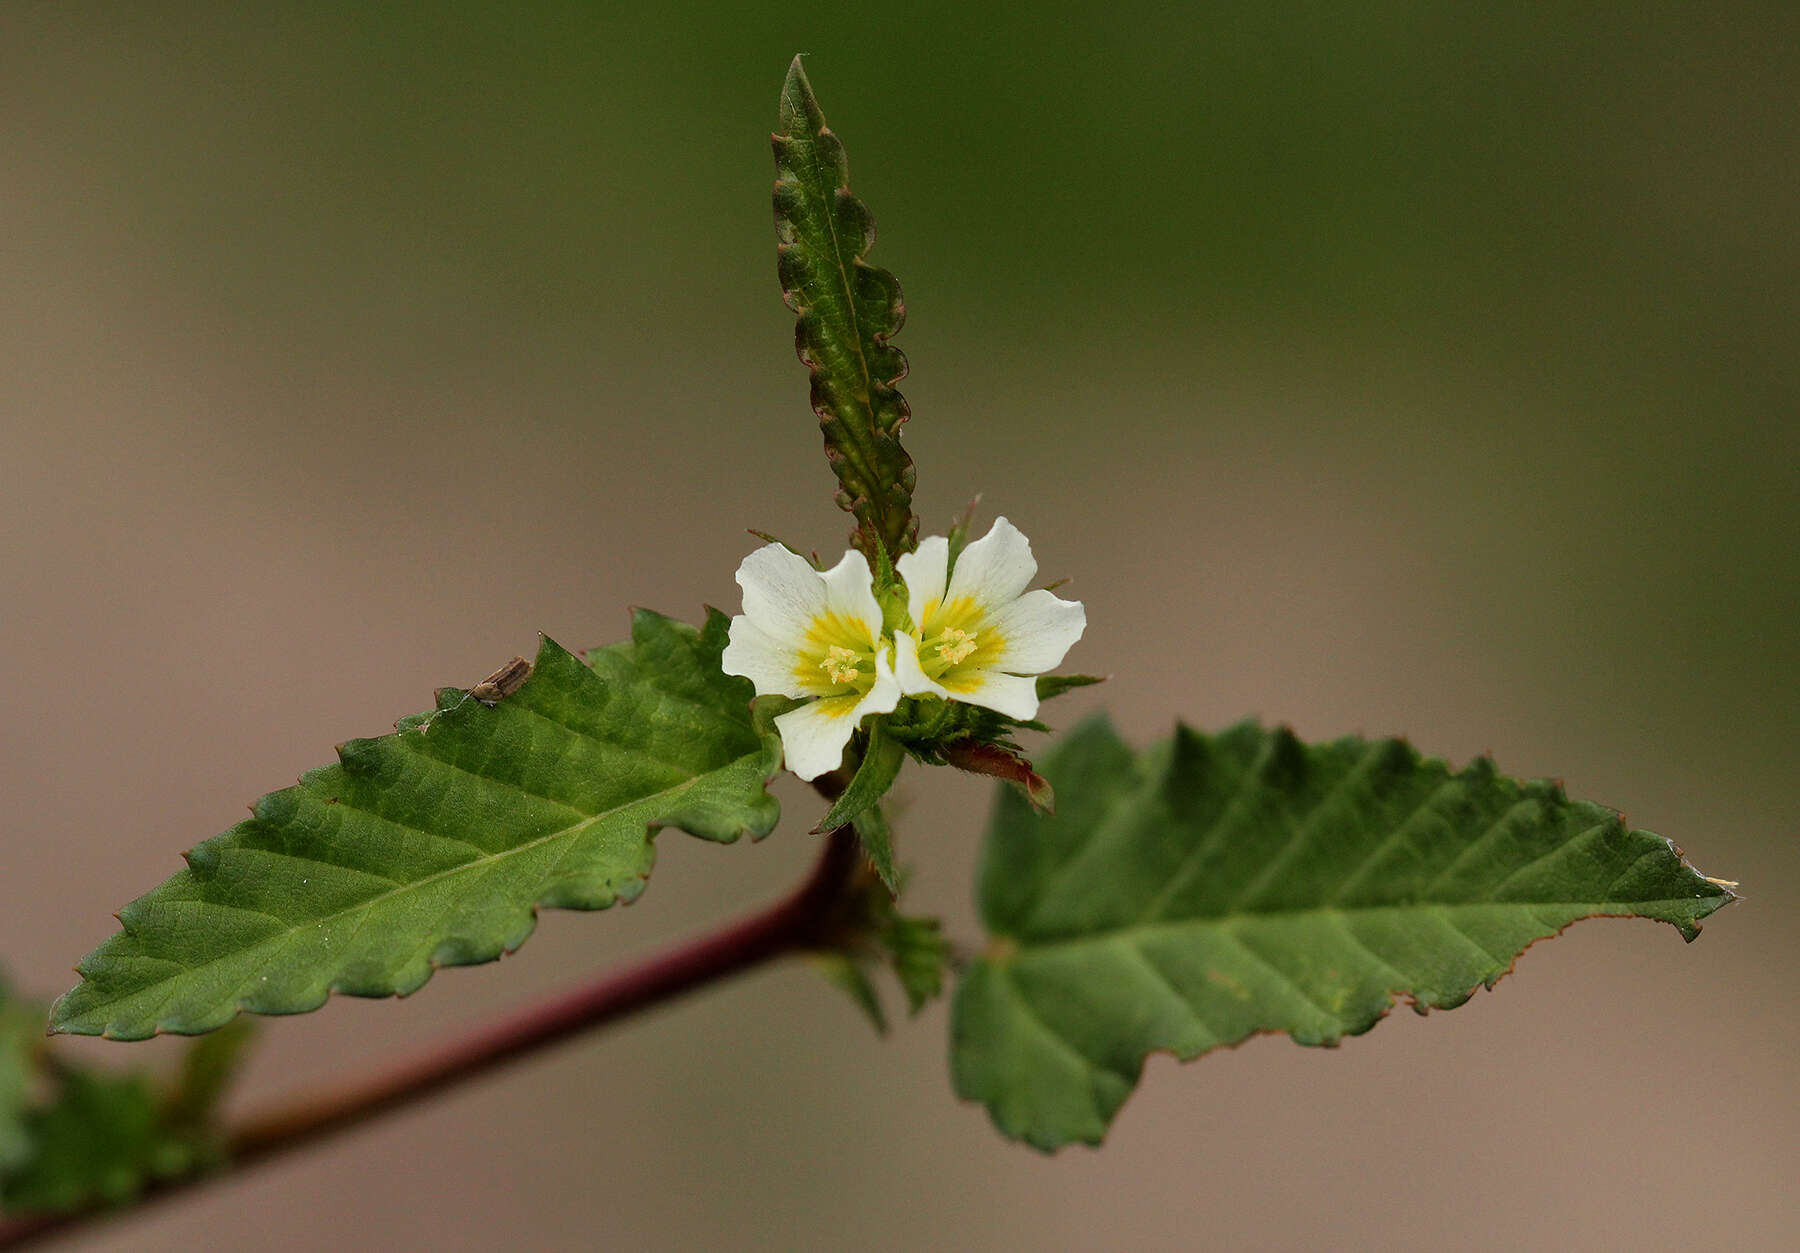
(841, 665)
(955, 645)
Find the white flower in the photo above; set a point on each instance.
(809, 634)
(979, 634)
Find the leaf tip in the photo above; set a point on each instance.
(800, 113)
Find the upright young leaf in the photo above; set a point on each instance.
(1215, 887)
(846, 312)
(436, 845)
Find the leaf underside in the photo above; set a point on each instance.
(1216, 887)
(436, 845)
(846, 311)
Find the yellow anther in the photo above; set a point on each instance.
(955, 645)
(841, 665)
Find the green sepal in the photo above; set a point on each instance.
(846, 311)
(1214, 887)
(878, 843)
(1050, 686)
(881, 761)
(877, 934)
(958, 537)
(860, 804)
(1003, 761)
(437, 845)
(811, 559)
(849, 976)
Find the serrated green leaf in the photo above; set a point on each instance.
(436, 845)
(100, 1142)
(1216, 887)
(846, 311)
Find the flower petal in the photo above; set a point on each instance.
(994, 569)
(766, 661)
(783, 594)
(884, 695)
(813, 736)
(925, 571)
(850, 593)
(1037, 630)
(910, 675)
(1009, 694)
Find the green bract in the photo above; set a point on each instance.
(1216, 887)
(436, 845)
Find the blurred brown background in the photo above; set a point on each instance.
(1395, 368)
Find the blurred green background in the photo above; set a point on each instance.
(1399, 368)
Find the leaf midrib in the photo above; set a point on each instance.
(1129, 934)
(866, 378)
(486, 862)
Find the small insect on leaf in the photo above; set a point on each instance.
(503, 682)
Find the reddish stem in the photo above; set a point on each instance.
(805, 919)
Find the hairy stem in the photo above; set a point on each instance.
(808, 918)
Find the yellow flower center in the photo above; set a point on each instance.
(955, 645)
(836, 658)
(957, 642)
(841, 665)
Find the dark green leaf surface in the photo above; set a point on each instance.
(846, 311)
(1216, 887)
(436, 845)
